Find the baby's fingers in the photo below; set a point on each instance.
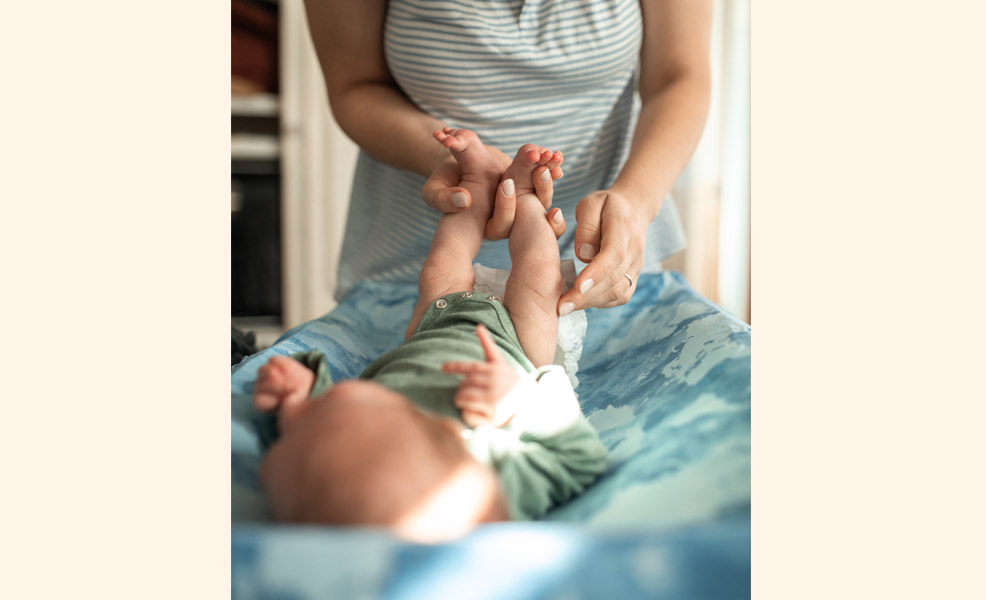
(264, 400)
(475, 419)
(490, 350)
(465, 368)
(480, 408)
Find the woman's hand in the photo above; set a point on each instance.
(610, 237)
(442, 190)
(505, 201)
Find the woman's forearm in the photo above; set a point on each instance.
(668, 130)
(674, 89)
(384, 123)
(365, 100)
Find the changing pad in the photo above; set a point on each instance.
(665, 380)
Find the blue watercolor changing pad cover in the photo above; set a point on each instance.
(665, 380)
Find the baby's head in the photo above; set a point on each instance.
(363, 455)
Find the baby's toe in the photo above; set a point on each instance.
(528, 154)
(466, 135)
(555, 160)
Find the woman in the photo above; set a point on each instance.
(559, 73)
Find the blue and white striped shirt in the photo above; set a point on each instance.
(559, 73)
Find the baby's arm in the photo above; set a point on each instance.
(531, 430)
(485, 385)
(284, 385)
(548, 453)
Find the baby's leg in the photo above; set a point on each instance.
(478, 165)
(535, 282)
(448, 267)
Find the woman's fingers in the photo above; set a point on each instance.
(604, 287)
(544, 177)
(604, 271)
(442, 192)
(588, 232)
(623, 283)
(557, 221)
(504, 209)
(505, 203)
(543, 186)
(606, 222)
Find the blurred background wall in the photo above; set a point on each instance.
(292, 171)
(714, 191)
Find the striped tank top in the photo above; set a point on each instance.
(559, 73)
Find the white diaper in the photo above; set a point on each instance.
(571, 327)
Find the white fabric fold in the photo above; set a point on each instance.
(571, 327)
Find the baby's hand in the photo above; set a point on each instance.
(283, 384)
(485, 384)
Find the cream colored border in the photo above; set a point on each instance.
(868, 216)
(869, 131)
(115, 245)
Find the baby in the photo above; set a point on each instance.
(443, 433)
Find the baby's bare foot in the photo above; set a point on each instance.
(476, 162)
(282, 384)
(528, 158)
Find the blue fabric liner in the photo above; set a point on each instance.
(665, 380)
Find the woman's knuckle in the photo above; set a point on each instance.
(621, 254)
(589, 230)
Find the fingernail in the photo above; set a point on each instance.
(559, 218)
(586, 286)
(587, 251)
(459, 199)
(508, 187)
(546, 175)
(566, 309)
